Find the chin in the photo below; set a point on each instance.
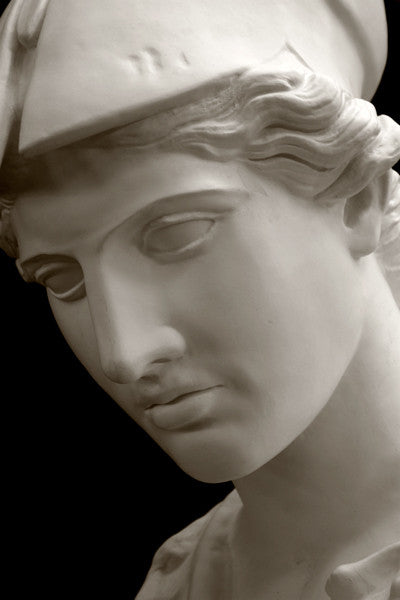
(218, 463)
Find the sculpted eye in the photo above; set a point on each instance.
(177, 233)
(64, 280)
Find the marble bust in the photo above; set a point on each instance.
(206, 193)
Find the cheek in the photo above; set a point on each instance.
(277, 312)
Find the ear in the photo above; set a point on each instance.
(363, 215)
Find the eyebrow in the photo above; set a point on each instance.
(146, 212)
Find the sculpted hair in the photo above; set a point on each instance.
(294, 125)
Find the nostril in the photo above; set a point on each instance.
(126, 371)
(153, 370)
(149, 378)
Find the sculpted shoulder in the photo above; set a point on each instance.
(194, 563)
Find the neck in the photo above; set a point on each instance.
(335, 491)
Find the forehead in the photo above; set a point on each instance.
(79, 195)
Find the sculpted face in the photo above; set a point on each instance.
(216, 308)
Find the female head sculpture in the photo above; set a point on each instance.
(212, 210)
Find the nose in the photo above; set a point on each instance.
(128, 360)
(129, 324)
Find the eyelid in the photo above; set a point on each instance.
(214, 201)
(52, 269)
(75, 293)
(31, 269)
(44, 270)
(177, 219)
(40, 274)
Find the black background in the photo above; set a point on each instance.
(88, 496)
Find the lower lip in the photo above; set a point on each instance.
(187, 411)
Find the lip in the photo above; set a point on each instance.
(185, 409)
(151, 395)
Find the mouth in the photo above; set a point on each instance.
(183, 396)
(187, 409)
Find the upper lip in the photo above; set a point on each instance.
(150, 398)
